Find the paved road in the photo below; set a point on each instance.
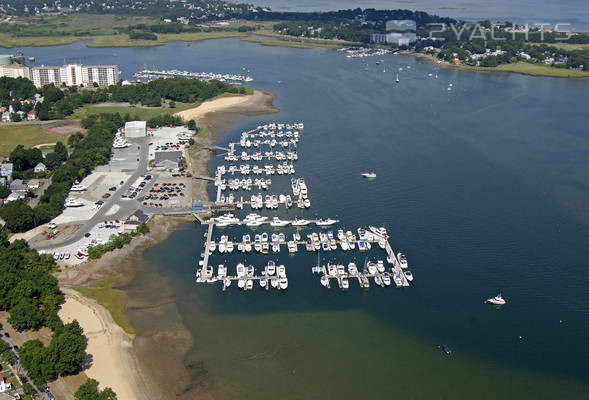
(127, 207)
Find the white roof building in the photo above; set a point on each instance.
(135, 129)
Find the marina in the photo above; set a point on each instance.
(205, 76)
(389, 272)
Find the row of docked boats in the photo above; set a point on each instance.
(246, 169)
(274, 276)
(204, 76)
(259, 156)
(254, 220)
(375, 270)
(249, 143)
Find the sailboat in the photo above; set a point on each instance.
(397, 80)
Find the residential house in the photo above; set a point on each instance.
(40, 168)
(32, 115)
(6, 169)
(33, 184)
(135, 219)
(6, 116)
(4, 384)
(19, 186)
(14, 196)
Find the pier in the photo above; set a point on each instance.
(388, 272)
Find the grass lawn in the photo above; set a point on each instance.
(566, 45)
(114, 300)
(27, 135)
(534, 70)
(286, 43)
(142, 113)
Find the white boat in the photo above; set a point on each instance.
(73, 203)
(326, 222)
(281, 271)
(352, 269)
(283, 283)
(300, 222)
(497, 300)
(249, 285)
(240, 270)
(325, 280)
(247, 243)
(369, 175)
(386, 279)
(345, 283)
(380, 266)
(307, 203)
(408, 276)
(292, 247)
(227, 282)
(378, 280)
(278, 222)
(263, 282)
(241, 283)
(371, 267)
(403, 260)
(271, 267)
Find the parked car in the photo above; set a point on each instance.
(87, 234)
(112, 189)
(106, 196)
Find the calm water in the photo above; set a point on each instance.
(521, 11)
(484, 187)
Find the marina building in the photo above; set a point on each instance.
(70, 74)
(135, 129)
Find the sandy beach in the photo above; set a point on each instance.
(109, 347)
(139, 366)
(239, 103)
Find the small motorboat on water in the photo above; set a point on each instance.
(369, 175)
(445, 349)
(497, 300)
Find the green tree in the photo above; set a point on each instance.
(4, 192)
(61, 151)
(14, 117)
(89, 391)
(17, 215)
(67, 349)
(191, 125)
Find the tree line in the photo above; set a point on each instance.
(94, 149)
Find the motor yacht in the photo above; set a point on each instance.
(271, 267)
(403, 260)
(409, 276)
(73, 203)
(386, 279)
(283, 283)
(292, 247)
(345, 283)
(276, 222)
(497, 300)
(300, 222)
(325, 280)
(380, 266)
(378, 280)
(369, 175)
(352, 269)
(326, 222)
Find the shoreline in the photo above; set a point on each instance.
(131, 364)
(542, 71)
